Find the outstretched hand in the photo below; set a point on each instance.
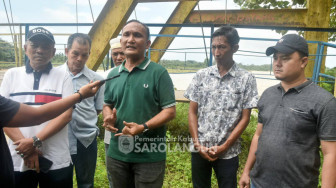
(110, 120)
(131, 129)
(90, 89)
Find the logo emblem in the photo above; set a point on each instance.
(145, 85)
(126, 144)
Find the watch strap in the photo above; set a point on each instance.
(145, 127)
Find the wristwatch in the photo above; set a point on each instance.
(37, 142)
(145, 127)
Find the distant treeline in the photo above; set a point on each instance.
(264, 67)
(182, 65)
(194, 65)
(6, 51)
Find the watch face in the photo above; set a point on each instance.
(37, 142)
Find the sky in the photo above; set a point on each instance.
(64, 11)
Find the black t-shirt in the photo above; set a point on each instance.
(8, 109)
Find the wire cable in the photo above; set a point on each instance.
(10, 28)
(205, 47)
(10, 8)
(91, 11)
(76, 16)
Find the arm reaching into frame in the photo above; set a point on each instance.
(28, 116)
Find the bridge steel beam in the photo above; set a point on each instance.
(108, 25)
(318, 15)
(258, 17)
(178, 16)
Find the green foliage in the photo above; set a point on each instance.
(276, 4)
(193, 66)
(6, 51)
(267, 4)
(58, 59)
(251, 67)
(100, 179)
(178, 163)
(329, 86)
(246, 139)
(100, 122)
(182, 65)
(179, 125)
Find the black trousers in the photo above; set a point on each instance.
(60, 178)
(225, 170)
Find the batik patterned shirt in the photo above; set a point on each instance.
(220, 103)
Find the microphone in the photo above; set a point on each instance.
(108, 79)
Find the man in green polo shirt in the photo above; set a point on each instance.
(137, 106)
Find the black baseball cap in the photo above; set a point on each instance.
(40, 31)
(289, 44)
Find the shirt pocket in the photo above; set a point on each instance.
(235, 100)
(301, 125)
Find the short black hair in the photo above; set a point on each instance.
(81, 38)
(302, 54)
(144, 25)
(229, 32)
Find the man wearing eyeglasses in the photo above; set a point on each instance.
(221, 98)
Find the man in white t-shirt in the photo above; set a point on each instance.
(35, 84)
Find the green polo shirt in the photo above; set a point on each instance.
(138, 96)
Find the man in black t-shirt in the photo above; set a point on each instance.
(14, 114)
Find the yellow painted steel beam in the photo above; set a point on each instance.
(108, 25)
(178, 16)
(318, 15)
(259, 17)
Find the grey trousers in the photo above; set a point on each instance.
(136, 175)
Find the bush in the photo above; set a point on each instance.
(179, 126)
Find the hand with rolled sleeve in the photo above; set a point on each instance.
(110, 118)
(131, 129)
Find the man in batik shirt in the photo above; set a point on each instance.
(221, 98)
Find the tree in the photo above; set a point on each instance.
(276, 4)
(6, 51)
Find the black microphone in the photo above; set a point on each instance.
(107, 79)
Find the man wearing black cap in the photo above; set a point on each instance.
(35, 84)
(296, 117)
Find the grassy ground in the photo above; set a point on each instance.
(178, 166)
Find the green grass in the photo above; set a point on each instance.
(178, 163)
